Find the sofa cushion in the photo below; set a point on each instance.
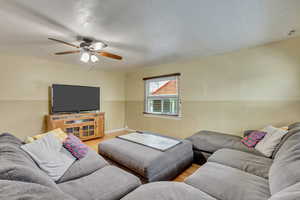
(285, 172)
(108, 183)
(17, 165)
(227, 183)
(246, 162)
(85, 166)
(290, 193)
(167, 191)
(15, 190)
(210, 141)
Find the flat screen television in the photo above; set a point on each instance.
(72, 98)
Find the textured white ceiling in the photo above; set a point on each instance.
(144, 32)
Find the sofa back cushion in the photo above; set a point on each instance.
(7, 138)
(284, 171)
(294, 125)
(15, 190)
(283, 146)
(290, 193)
(17, 165)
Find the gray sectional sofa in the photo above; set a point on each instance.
(232, 173)
(89, 178)
(228, 174)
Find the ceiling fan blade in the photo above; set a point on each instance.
(63, 42)
(67, 52)
(110, 55)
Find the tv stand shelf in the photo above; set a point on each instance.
(85, 126)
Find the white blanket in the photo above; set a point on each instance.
(49, 153)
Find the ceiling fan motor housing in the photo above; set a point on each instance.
(88, 40)
(86, 43)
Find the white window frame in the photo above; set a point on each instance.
(160, 97)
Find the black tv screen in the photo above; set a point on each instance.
(71, 98)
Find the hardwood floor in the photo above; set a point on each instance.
(187, 173)
(94, 145)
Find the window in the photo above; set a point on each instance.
(162, 95)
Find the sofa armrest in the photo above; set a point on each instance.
(210, 141)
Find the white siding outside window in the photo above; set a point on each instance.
(162, 95)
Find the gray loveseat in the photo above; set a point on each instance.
(236, 174)
(90, 178)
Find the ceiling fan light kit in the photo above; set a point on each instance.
(94, 58)
(85, 57)
(99, 46)
(89, 49)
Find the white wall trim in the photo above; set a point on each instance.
(163, 116)
(114, 130)
(131, 130)
(118, 130)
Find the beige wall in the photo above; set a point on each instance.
(24, 83)
(246, 89)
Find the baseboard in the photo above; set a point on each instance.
(129, 129)
(118, 130)
(114, 130)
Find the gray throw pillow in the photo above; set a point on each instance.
(16, 164)
(50, 155)
(268, 144)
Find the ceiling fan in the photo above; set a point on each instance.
(89, 49)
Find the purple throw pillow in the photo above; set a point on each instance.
(75, 146)
(253, 138)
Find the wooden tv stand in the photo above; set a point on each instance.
(86, 126)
